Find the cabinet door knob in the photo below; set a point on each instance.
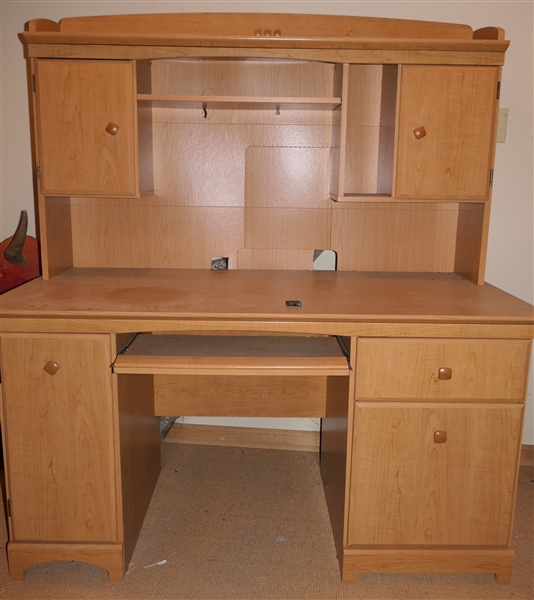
(51, 367)
(112, 128)
(445, 373)
(440, 437)
(419, 133)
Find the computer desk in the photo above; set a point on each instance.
(420, 382)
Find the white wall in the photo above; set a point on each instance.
(510, 263)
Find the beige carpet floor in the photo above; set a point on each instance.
(233, 523)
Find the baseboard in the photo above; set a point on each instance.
(244, 437)
(274, 439)
(527, 456)
(419, 559)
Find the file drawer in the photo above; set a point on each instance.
(442, 369)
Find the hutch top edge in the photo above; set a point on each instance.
(269, 30)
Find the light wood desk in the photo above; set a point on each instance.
(82, 443)
(164, 143)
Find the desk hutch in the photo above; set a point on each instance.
(164, 144)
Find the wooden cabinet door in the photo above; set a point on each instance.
(408, 488)
(446, 132)
(59, 437)
(78, 104)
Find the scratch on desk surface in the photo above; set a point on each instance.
(161, 562)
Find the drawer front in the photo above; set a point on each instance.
(392, 369)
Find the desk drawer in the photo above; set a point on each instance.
(442, 369)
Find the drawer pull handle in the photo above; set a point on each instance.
(419, 132)
(445, 373)
(440, 437)
(51, 367)
(112, 128)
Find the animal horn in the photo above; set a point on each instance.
(13, 252)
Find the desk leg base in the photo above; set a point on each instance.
(22, 555)
(451, 559)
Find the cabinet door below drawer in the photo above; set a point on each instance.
(410, 487)
(58, 420)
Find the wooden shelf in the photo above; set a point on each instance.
(377, 198)
(362, 198)
(238, 102)
(234, 355)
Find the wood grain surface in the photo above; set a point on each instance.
(60, 453)
(406, 489)
(78, 155)
(408, 369)
(220, 355)
(249, 294)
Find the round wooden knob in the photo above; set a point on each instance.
(440, 437)
(112, 128)
(51, 367)
(445, 373)
(419, 133)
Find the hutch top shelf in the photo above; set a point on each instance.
(217, 33)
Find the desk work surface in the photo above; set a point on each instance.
(233, 294)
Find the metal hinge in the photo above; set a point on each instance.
(491, 177)
(8, 507)
(498, 90)
(38, 171)
(34, 85)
